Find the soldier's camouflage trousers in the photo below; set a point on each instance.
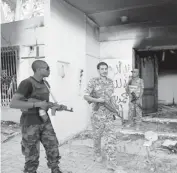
(134, 113)
(104, 127)
(31, 137)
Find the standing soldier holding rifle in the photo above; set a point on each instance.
(135, 89)
(32, 97)
(99, 92)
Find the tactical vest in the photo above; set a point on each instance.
(39, 91)
(135, 86)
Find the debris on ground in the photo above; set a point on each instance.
(169, 142)
(150, 137)
(165, 111)
(9, 129)
(168, 108)
(87, 134)
(170, 145)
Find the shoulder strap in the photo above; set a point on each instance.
(48, 87)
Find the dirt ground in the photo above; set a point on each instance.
(141, 163)
(131, 163)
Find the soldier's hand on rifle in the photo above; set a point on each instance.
(44, 118)
(101, 100)
(42, 104)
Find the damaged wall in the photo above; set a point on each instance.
(118, 41)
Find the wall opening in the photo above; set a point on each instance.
(158, 69)
(167, 77)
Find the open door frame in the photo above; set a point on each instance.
(137, 63)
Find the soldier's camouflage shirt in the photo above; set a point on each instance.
(100, 88)
(136, 86)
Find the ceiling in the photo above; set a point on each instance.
(109, 12)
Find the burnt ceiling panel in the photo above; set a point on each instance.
(159, 14)
(109, 12)
(94, 6)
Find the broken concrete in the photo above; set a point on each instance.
(159, 120)
(135, 132)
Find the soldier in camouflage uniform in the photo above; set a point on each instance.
(136, 85)
(102, 119)
(31, 96)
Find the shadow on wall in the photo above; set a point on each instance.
(150, 43)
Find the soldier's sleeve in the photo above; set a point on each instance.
(25, 88)
(89, 88)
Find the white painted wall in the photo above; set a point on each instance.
(92, 49)
(69, 40)
(92, 56)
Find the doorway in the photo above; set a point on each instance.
(158, 69)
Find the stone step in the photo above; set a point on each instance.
(159, 125)
(159, 120)
(165, 128)
(161, 135)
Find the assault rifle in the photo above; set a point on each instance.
(134, 99)
(107, 104)
(54, 106)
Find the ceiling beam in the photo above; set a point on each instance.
(133, 7)
(151, 48)
(81, 11)
(148, 23)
